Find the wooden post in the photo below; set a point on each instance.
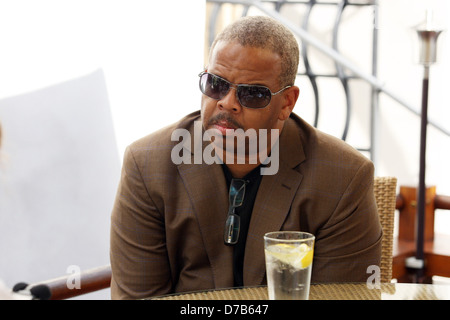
(407, 216)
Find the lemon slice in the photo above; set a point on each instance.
(299, 257)
(307, 259)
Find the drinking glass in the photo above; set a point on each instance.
(289, 257)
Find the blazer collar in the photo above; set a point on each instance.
(207, 190)
(291, 145)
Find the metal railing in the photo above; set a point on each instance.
(341, 62)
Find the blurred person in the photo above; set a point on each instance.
(170, 227)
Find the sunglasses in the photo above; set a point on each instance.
(248, 95)
(233, 223)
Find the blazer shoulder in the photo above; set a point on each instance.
(320, 145)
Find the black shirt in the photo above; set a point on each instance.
(253, 180)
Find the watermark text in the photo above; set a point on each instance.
(236, 147)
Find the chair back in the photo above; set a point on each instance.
(385, 195)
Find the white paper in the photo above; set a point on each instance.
(59, 171)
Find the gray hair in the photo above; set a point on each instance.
(267, 33)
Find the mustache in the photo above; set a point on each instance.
(225, 117)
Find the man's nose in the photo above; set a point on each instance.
(230, 101)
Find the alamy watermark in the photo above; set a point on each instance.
(74, 279)
(237, 146)
(374, 280)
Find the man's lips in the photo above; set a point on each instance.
(224, 122)
(223, 126)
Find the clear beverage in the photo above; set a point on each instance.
(289, 258)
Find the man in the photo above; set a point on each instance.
(178, 225)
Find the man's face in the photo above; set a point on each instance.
(243, 65)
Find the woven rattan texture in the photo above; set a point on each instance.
(385, 195)
(250, 293)
(338, 291)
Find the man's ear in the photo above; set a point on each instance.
(290, 98)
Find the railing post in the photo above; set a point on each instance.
(408, 212)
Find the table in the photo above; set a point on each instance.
(437, 256)
(333, 291)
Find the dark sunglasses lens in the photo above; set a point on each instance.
(237, 192)
(231, 234)
(212, 86)
(254, 96)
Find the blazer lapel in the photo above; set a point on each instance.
(206, 187)
(207, 190)
(272, 203)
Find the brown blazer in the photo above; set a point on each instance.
(168, 220)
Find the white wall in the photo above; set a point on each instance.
(140, 58)
(142, 46)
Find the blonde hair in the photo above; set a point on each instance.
(266, 33)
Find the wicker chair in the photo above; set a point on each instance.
(385, 195)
